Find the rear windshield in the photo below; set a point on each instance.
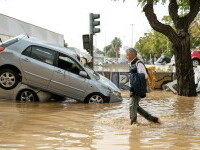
(11, 41)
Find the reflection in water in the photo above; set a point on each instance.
(72, 125)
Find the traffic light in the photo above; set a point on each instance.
(86, 42)
(94, 23)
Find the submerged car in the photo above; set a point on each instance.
(25, 93)
(52, 69)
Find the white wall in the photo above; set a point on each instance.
(10, 27)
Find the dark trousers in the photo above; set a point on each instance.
(135, 108)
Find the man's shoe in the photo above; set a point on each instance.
(156, 120)
(133, 122)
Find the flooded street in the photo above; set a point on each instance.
(77, 126)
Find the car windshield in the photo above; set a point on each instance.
(96, 75)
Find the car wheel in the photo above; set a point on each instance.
(95, 98)
(27, 96)
(9, 79)
(195, 62)
(164, 87)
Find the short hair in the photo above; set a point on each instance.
(131, 50)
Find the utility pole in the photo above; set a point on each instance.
(131, 35)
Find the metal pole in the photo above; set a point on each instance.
(91, 51)
(91, 40)
(131, 35)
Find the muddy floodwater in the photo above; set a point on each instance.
(76, 126)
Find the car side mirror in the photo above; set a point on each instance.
(83, 73)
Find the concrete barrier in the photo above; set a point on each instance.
(121, 79)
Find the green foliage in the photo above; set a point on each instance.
(112, 50)
(143, 2)
(116, 45)
(97, 51)
(194, 30)
(107, 49)
(195, 33)
(111, 53)
(167, 20)
(183, 4)
(155, 44)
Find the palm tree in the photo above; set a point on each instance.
(116, 44)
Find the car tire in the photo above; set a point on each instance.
(164, 87)
(27, 96)
(9, 79)
(196, 62)
(95, 98)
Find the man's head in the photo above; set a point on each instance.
(131, 54)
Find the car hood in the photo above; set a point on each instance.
(106, 82)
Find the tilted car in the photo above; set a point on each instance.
(54, 69)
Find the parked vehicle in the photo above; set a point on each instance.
(195, 57)
(52, 69)
(163, 60)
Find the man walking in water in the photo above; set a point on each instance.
(137, 66)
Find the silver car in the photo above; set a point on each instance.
(25, 93)
(53, 69)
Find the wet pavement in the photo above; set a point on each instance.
(77, 126)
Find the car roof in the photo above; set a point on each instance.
(46, 44)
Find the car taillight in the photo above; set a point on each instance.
(2, 48)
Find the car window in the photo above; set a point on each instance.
(27, 52)
(67, 63)
(41, 54)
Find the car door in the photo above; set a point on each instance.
(66, 79)
(38, 66)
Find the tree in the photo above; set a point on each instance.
(194, 30)
(116, 45)
(112, 50)
(153, 45)
(111, 53)
(97, 51)
(195, 33)
(179, 36)
(107, 49)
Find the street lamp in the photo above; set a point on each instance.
(131, 34)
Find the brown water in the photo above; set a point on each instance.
(76, 126)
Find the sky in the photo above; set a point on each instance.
(124, 20)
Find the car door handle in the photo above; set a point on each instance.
(26, 59)
(59, 71)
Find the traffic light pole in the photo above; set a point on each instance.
(91, 51)
(93, 23)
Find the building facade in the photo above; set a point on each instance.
(10, 27)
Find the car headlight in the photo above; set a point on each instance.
(115, 93)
